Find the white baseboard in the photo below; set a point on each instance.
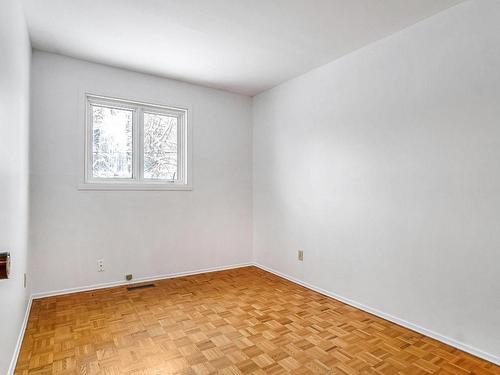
(436, 336)
(13, 362)
(135, 281)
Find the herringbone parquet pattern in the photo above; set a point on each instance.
(230, 322)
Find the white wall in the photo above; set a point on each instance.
(146, 233)
(383, 167)
(15, 51)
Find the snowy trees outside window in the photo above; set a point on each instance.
(112, 142)
(135, 144)
(160, 146)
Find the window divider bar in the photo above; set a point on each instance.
(140, 144)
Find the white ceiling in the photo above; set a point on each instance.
(244, 46)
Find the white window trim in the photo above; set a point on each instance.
(138, 182)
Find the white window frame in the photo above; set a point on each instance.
(138, 182)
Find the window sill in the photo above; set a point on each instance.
(137, 187)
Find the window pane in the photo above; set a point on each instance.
(112, 142)
(160, 146)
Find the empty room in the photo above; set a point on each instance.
(249, 187)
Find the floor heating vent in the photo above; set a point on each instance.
(143, 286)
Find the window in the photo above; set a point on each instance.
(131, 145)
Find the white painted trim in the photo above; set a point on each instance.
(138, 280)
(121, 186)
(436, 336)
(20, 338)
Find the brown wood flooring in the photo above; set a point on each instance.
(230, 322)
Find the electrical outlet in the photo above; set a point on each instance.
(300, 255)
(24, 280)
(100, 265)
(128, 277)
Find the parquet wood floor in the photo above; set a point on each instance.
(230, 322)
